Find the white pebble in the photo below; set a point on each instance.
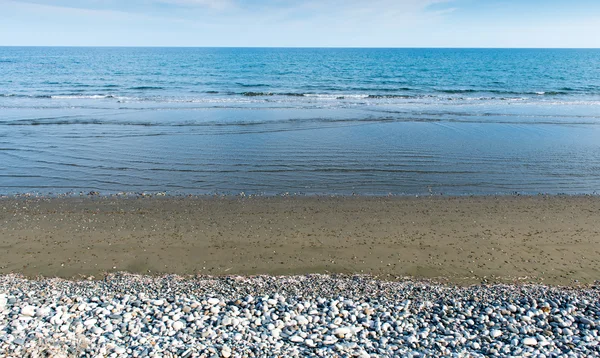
(28, 311)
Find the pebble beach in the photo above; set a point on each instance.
(299, 277)
(128, 315)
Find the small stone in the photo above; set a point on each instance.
(90, 322)
(530, 341)
(296, 339)
(301, 320)
(178, 325)
(120, 350)
(495, 333)
(213, 301)
(28, 311)
(42, 312)
(342, 331)
(329, 340)
(586, 321)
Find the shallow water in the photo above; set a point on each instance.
(312, 121)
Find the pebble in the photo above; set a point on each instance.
(315, 315)
(28, 311)
(120, 350)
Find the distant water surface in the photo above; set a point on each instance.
(309, 121)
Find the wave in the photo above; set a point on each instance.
(58, 96)
(146, 88)
(377, 96)
(79, 96)
(457, 91)
(213, 96)
(252, 84)
(325, 95)
(388, 117)
(562, 91)
(256, 94)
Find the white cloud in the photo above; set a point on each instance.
(211, 4)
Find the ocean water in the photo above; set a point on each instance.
(303, 121)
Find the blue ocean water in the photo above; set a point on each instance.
(309, 121)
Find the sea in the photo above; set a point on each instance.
(299, 121)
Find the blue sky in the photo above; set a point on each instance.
(309, 23)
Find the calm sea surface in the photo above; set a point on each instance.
(311, 121)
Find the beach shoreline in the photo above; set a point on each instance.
(461, 240)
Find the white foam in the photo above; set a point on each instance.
(336, 96)
(97, 96)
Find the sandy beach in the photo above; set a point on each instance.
(542, 239)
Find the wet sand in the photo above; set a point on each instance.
(543, 239)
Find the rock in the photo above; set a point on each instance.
(530, 341)
(301, 320)
(28, 311)
(42, 311)
(213, 301)
(329, 340)
(342, 331)
(178, 325)
(495, 333)
(296, 339)
(90, 322)
(120, 350)
(586, 321)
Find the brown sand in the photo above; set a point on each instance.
(553, 240)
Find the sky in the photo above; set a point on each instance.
(308, 23)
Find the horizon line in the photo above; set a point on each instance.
(312, 47)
